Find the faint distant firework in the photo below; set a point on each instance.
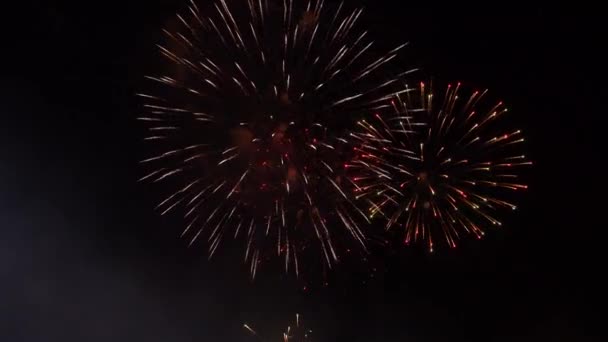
(293, 333)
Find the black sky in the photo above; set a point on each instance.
(83, 257)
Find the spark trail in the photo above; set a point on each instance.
(293, 333)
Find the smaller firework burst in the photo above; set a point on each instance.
(293, 333)
(438, 165)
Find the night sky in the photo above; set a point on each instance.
(84, 257)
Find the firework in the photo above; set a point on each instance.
(438, 165)
(245, 123)
(295, 333)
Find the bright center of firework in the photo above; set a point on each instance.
(422, 177)
(424, 189)
(280, 146)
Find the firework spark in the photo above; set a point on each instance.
(245, 123)
(293, 333)
(440, 165)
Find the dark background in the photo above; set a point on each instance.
(83, 257)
